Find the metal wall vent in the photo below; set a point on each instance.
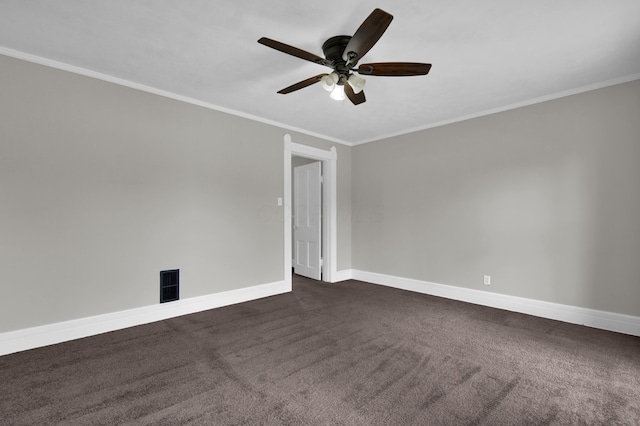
(169, 285)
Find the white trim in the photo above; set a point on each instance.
(611, 321)
(153, 90)
(549, 97)
(343, 275)
(126, 83)
(329, 214)
(20, 340)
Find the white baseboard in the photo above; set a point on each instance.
(30, 338)
(343, 275)
(611, 321)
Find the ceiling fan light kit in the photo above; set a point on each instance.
(342, 54)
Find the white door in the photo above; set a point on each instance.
(307, 220)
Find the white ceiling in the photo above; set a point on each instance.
(487, 55)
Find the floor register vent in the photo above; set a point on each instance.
(169, 285)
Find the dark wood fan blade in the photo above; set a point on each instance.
(294, 51)
(355, 98)
(394, 69)
(302, 84)
(367, 35)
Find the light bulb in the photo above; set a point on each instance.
(338, 93)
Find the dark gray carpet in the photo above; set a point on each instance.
(349, 353)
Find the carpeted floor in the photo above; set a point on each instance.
(332, 354)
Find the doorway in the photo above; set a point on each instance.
(328, 158)
(307, 217)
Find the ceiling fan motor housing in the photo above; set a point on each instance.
(333, 49)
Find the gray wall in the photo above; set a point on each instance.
(103, 186)
(545, 199)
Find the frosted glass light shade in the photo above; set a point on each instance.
(357, 83)
(329, 81)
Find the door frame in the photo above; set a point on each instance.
(329, 206)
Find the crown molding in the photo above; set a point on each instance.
(16, 54)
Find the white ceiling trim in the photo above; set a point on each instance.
(558, 95)
(130, 84)
(155, 91)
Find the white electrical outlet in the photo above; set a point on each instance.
(487, 280)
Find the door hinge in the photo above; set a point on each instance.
(321, 179)
(321, 262)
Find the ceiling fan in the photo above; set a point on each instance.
(342, 54)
